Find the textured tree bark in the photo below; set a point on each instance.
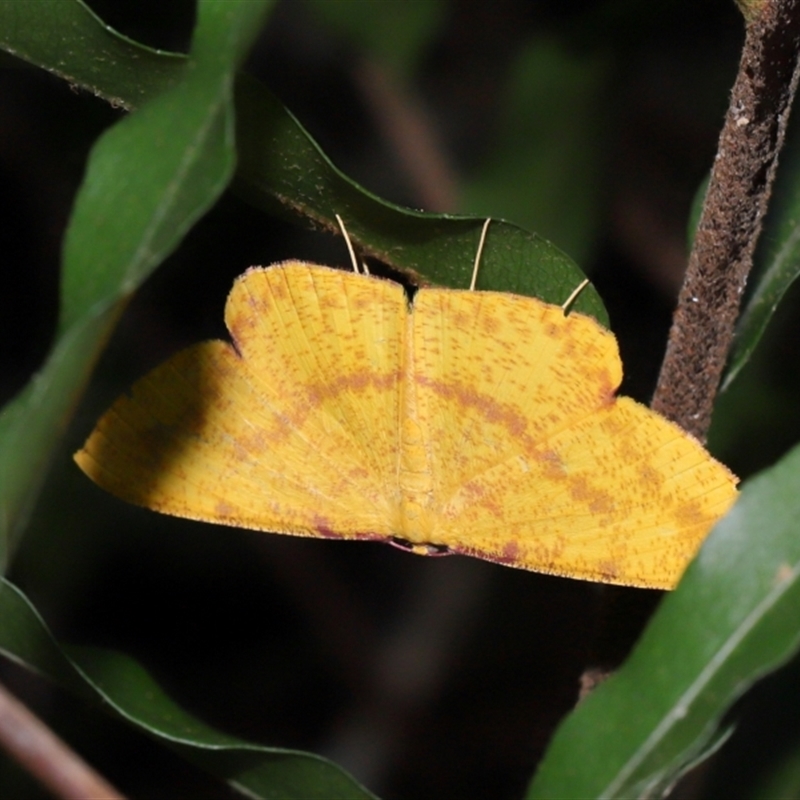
(733, 211)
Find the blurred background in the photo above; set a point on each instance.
(591, 122)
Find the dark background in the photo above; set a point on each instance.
(592, 123)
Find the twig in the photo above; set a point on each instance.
(46, 757)
(721, 258)
(410, 133)
(734, 208)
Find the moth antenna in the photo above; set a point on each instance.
(350, 250)
(365, 268)
(566, 306)
(478, 255)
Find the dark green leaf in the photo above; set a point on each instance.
(280, 165)
(120, 684)
(148, 180)
(734, 617)
(282, 168)
(68, 40)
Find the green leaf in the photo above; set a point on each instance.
(777, 260)
(282, 170)
(154, 174)
(124, 687)
(734, 617)
(281, 167)
(148, 180)
(70, 41)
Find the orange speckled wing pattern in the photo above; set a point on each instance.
(274, 432)
(537, 463)
(481, 422)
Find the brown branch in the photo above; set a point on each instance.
(408, 130)
(734, 208)
(46, 757)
